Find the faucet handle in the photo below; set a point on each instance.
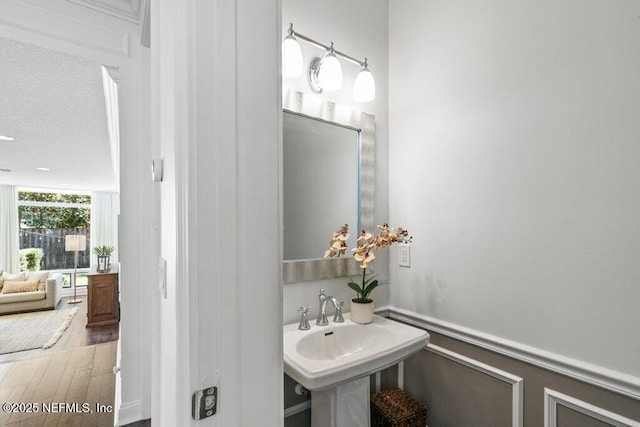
(338, 318)
(304, 318)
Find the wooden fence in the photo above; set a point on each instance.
(51, 240)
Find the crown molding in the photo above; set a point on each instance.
(31, 22)
(129, 10)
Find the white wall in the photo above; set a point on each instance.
(514, 142)
(357, 28)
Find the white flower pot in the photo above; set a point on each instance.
(361, 312)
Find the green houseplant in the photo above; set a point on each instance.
(104, 257)
(31, 259)
(362, 305)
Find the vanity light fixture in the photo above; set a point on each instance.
(325, 74)
(364, 88)
(6, 138)
(291, 55)
(329, 72)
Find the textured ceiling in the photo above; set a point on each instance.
(53, 105)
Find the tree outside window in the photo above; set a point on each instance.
(46, 218)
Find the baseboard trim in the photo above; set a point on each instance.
(608, 379)
(553, 398)
(130, 412)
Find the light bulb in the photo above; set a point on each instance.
(291, 57)
(364, 88)
(330, 74)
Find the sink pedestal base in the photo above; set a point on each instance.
(344, 405)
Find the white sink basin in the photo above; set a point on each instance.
(325, 356)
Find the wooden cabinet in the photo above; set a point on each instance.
(102, 299)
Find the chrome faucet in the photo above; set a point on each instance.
(322, 314)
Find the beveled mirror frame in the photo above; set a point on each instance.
(314, 107)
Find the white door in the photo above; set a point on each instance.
(216, 96)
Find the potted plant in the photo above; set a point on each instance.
(362, 305)
(31, 259)
(104, 257)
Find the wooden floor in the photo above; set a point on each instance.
(77, 335)
(77, 370)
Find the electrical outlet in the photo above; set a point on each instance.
(204, 403)
(404, 255)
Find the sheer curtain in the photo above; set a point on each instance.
(9, 244)
(105, 208)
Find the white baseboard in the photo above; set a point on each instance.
(608, 379)
(129, 412)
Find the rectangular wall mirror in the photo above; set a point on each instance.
(328, 171)
(320, 190)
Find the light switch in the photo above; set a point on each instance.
(405, 255)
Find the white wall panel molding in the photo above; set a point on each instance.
(129, 10)
(110, 86)
(30, 23)
(145, 23)
(553, 398)
(517, 383)
(296, 409)
(608, 379)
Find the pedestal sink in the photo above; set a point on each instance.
(334, 362)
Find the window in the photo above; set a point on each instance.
(45, 218)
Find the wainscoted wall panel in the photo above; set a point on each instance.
(568, 418)
(514, 381)
(441, 384)
(455, 394)
(563, 410)
(301, 419)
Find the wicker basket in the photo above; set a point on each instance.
(396, 408)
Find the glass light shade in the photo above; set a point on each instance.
(330, 74)
(291, 57)
(364, 88)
